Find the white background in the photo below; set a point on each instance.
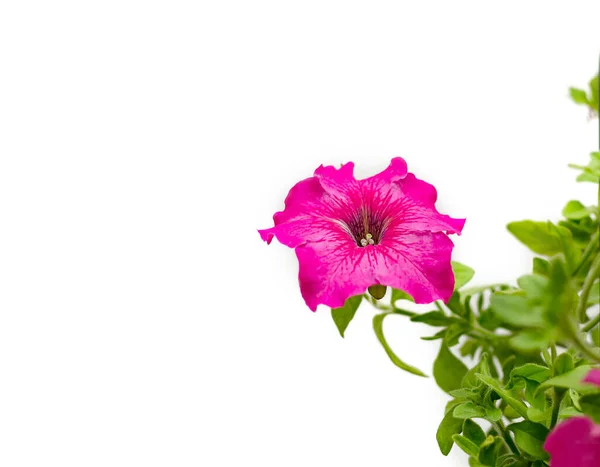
(143, 321)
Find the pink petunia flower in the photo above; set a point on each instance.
(576, 442)
(351, 234)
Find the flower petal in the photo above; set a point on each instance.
(304, 217)
(593, 377)
(385, 181)
(339, 183)
(335, 269)
(574, 443)
(396, 191)
(420, 212)
(417, 263)
(332, 271)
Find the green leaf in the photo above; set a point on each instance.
(473, 462)
(539, 237)
(510, 460)
(489, 449)
(378, 328)
(514, 309)
(532, 341)
(462, 274)
(466, 445)
(504, 394)
(438, 335)
(469, 347)
(468, 410)
(575, 210)
(563, 364)
(454, 331)
(448, 370)
(400, 295)
(493, 414)
(433, 318)
(572, 380)
(342, 316)
(590, 405)
(579, 96)
(530, 437)
(541, 266)
(531, 371)
(448, 427)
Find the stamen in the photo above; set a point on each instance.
(363, 242)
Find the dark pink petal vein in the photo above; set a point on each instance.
(350, 234)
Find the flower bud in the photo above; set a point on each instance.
(377, 291)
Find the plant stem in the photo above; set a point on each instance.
(499, 427)
(587, 287)
(589, 250)
(590, 325)
(556, 400)
(581, 345)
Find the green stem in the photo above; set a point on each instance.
(388, 308)
(499, 427)
(591, 247)
(485, 332)
(590, 325)
(556, 400)
(587, 287)
(581, 345)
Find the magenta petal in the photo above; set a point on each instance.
(593, 377)
(332, 270)
(339, 183)
(420, 212)
(335, 269)
(574, 443)
(303, 218)
(419, 264)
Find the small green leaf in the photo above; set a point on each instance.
(590, 405)
(462, 274)
(579, 96)
(510, 460)
(539, 237)
(378, 328)
(531, 371)
(469, 348)
(572, 380)
(454, 331)
(469, 410)
(342, 316)
(433, 318)
(466, 445)
(489, 449)
(504, 394)
(563, 364)
(448, 427)
(436, 336)
(514, 309)
(493, 414)
(530, 438)
(575, 210)
(541, 266)
(448, 370)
